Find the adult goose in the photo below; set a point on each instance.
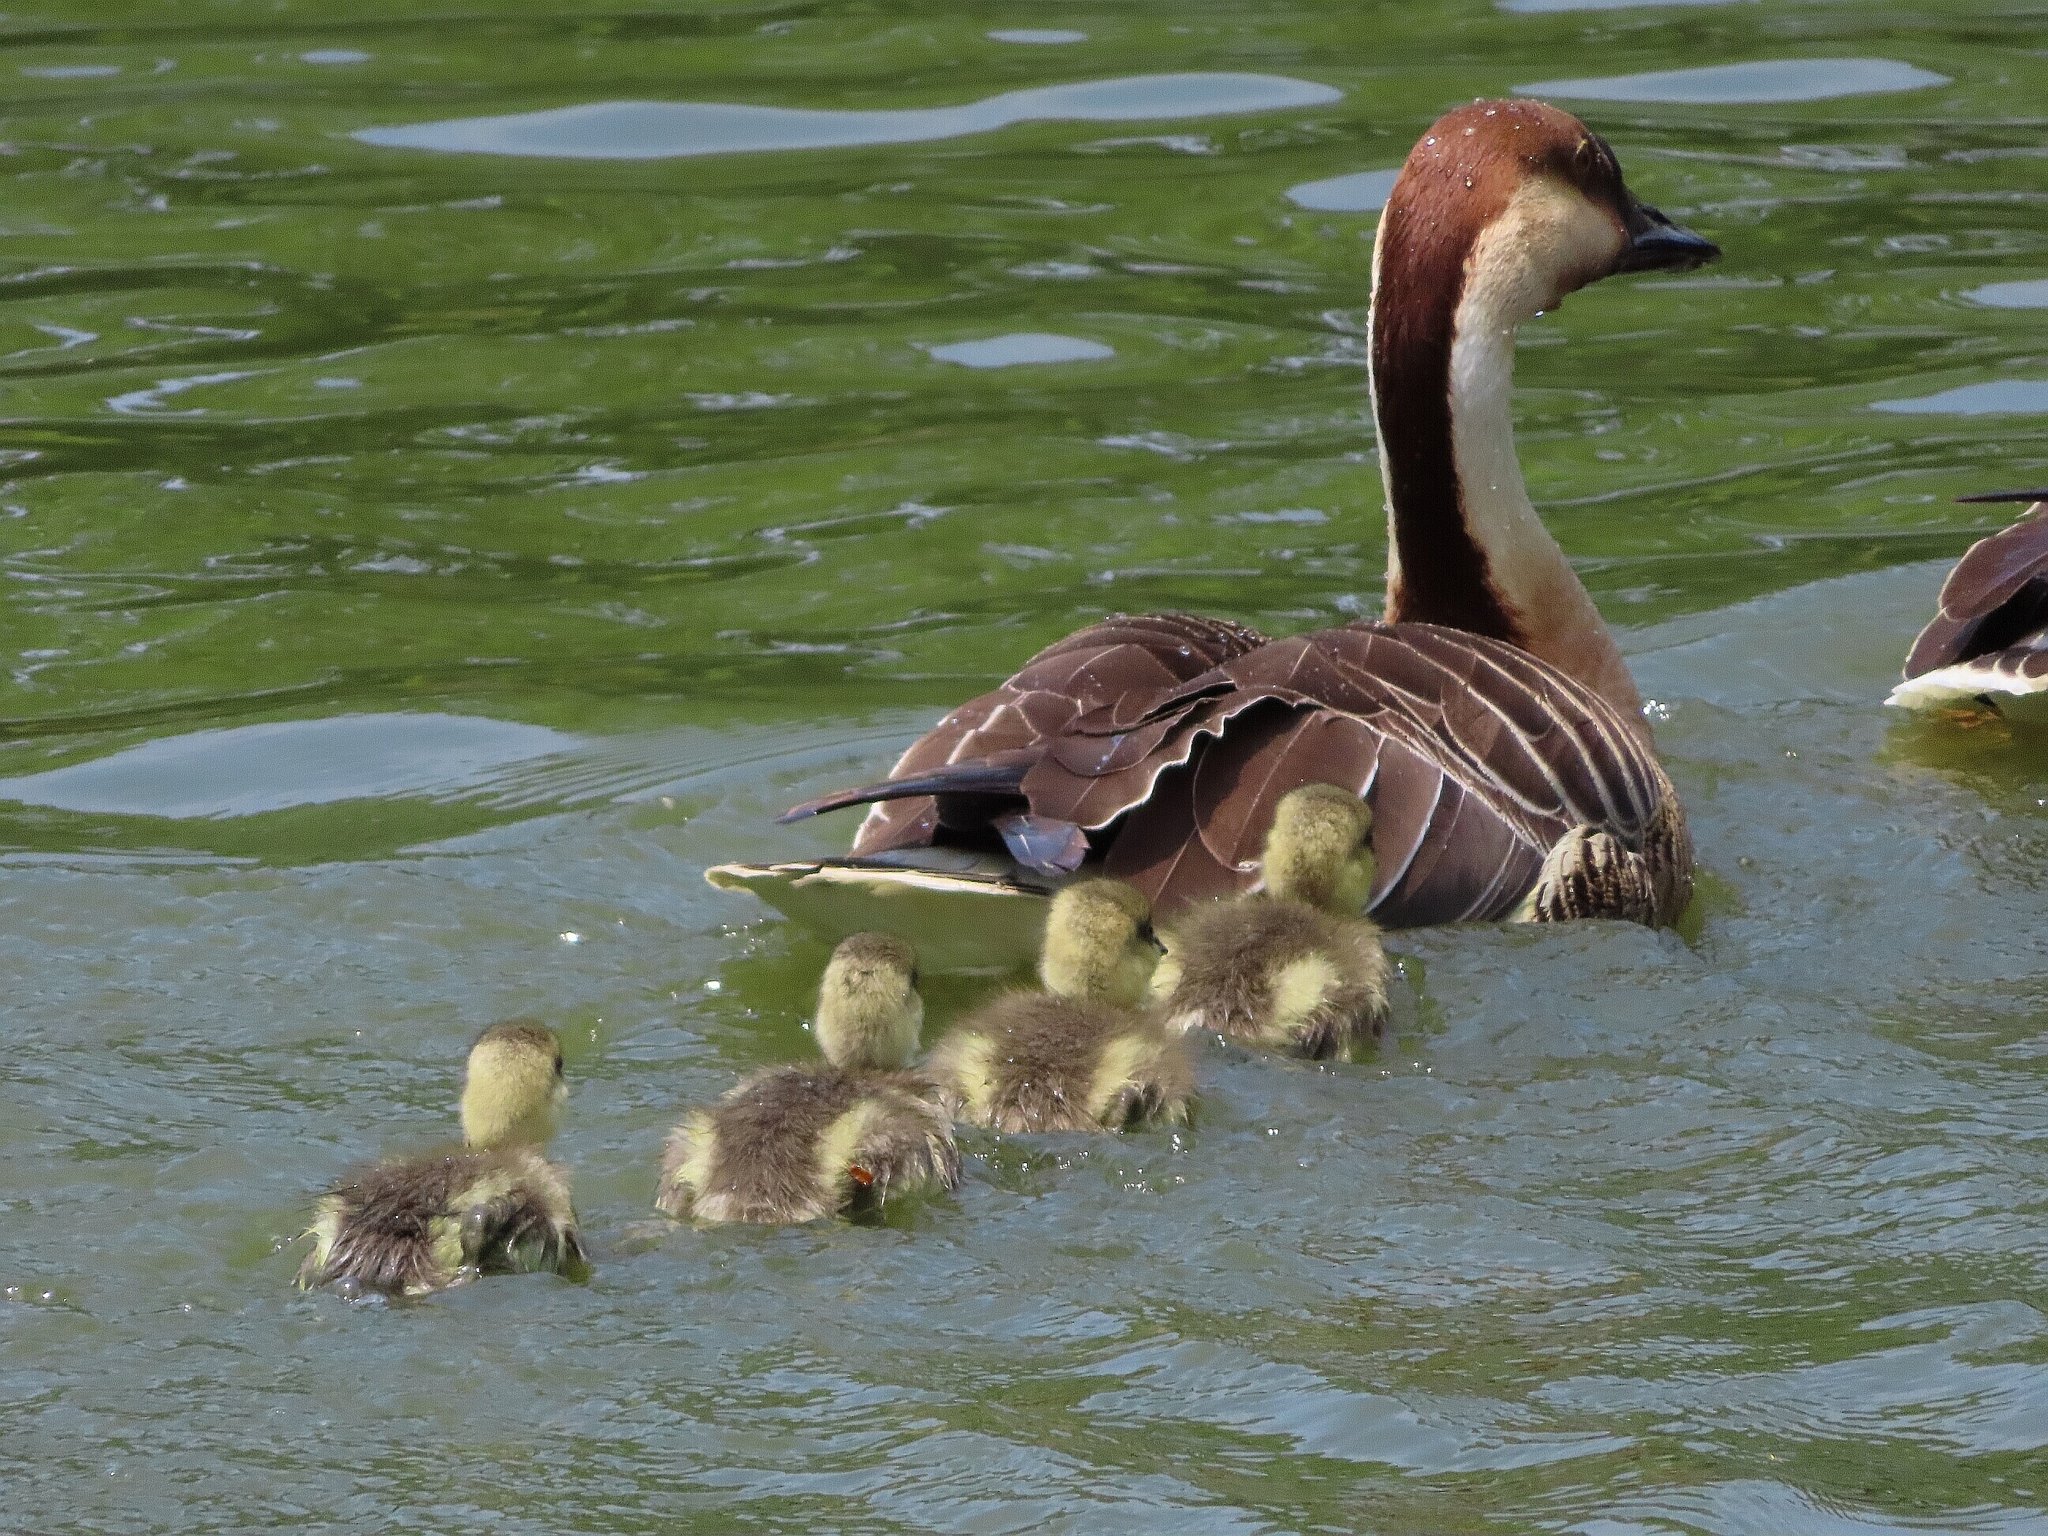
(1489, 719)
(1989, 639)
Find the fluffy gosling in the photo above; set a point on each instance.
(1297, 966)
(792, 1144)
(1079, 1056)
(495, 1205)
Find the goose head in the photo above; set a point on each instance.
(1502, 209)
(869, 1009)
(512, 1090)
(1523, 203)
(1099, 943)
(1319, 849)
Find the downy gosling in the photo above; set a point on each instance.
(1081, 1055)
(1295, 966)
(495, 1205)
(792, 1144)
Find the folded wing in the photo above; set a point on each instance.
(1475, 756)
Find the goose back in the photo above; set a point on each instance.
(1475, 756)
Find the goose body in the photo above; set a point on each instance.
(1292, 966)
(795, 1144)
(495, 1205)
(1989, 638)
(1080, 1055)
(1489, 719)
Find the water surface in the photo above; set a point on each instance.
(420, 565)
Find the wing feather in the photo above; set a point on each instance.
(1475, 756)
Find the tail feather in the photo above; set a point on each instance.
(990, 776)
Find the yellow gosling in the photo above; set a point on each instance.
(792, 1144)
(1078, 1056)
(495, 1205)
(1296, 966)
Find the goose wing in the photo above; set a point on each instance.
(1124, 656)
(1990, 632)
(1476, 758)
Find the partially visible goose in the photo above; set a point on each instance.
(793, 1144)
(1989, 640)
(1489, 719)
(494, 1205)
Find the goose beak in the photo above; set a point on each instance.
(1655, 244)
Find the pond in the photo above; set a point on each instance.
(461, 474)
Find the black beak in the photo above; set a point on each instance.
(1655, 244)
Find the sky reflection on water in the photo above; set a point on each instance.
(655, 130)
(1764, 81)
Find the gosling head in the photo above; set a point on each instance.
(1522, 203)
(869, 1010)
(512, 1091)
(1099, 943)
(1319, 849)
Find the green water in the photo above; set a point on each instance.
(420, 565)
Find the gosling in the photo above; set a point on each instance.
(793, 1144)
(1079, 1056)
(1296, 966)
(495, 1205)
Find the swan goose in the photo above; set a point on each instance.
(1489, 719)
(1989, 638)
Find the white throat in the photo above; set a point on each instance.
(1532, 579)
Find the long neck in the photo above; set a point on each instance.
(1465, 547)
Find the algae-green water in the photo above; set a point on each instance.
(463, 469)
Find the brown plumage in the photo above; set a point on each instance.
(408, 1226)
(1080, 1055)
(1475, 757)
(1989, 637)
(1489, 718)
(793, 1144)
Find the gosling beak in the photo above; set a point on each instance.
(1655, 244)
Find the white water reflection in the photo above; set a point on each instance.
(1021, 347)
(1360, 192)
(2031, 293)
(654, 130)
(1766, 80)
(1038, 36)
(249, 769)
(2000, 397)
